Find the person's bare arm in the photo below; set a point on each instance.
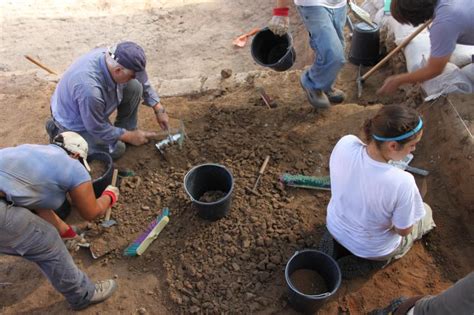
(433, 68)
(283, 3)
(136, 137)
(84, 200)
(51, 217)
(403, 232)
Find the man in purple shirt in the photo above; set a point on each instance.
(97, 84)
(452, 24)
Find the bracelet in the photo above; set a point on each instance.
(280, 11)
(160, 110)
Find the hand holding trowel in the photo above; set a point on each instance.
(403, 164)
(101, 247)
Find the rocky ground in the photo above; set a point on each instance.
(236, 264)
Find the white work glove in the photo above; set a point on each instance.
(280, 21)
(113, 192)
(75, 243)
(73, 240)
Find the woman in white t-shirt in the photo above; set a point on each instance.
(376, 211)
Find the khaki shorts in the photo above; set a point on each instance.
(423, 226)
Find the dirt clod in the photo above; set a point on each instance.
(226, 73)
(212, 196)
(98, 168)
(308, 282)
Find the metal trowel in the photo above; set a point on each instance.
(403, 164)
(172, 139)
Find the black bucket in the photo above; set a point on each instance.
(273, 51)
(209, 177)
(325, 266)
(103, 181)
(64, 210)
(365, 47)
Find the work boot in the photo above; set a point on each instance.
(389, 309)
(316, 98)
(335, 96)
(51, 129)
(103, 290)
(352, 266)
(118, 150)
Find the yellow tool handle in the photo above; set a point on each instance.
(264, 165)
(397, 49)
(114, 182)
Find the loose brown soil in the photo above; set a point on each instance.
(212, 196)
(98, 168)
(236, 264)
(308, 282)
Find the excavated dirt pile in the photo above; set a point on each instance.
(236, 263)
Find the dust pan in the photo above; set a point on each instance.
(241, 41)
(361, 13)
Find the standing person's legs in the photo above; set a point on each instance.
(24, 234)
(325, 27)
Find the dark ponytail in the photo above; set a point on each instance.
(414, 12)
(391, 121)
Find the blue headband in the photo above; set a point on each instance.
(403, 136)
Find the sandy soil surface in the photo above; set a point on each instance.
(236, 264)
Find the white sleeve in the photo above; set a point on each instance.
(409, 207)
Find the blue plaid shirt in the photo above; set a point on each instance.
(86, 95)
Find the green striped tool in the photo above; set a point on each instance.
(303, 181)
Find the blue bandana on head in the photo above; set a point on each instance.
(403, 136)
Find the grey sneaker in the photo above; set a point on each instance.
(315, 97)
(103, 290)
(335, 96)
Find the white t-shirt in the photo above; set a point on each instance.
(369, 198)
(333, 4)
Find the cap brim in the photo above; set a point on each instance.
(86, 165)
(141, 76)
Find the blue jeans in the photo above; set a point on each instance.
(127, 118)
(24, 234)
(326, 32)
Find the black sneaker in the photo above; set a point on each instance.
(353, 266)
(391, 308)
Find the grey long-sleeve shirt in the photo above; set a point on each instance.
(86, 95)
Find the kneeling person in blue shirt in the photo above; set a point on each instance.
(37, 178)
(97, 84)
